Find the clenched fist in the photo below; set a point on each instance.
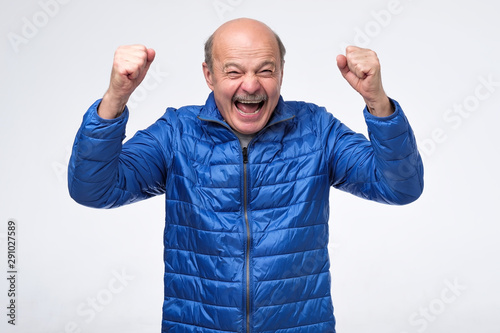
(361, 68)
(130, 65)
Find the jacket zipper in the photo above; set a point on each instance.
(245, 212)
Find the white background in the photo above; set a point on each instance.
(430, 267)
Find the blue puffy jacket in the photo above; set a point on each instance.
(246, 231)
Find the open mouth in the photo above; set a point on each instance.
(248, 108)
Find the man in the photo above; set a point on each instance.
(246, 179)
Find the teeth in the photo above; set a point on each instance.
(249, 102)
(246, 101)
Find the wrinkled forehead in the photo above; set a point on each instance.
(251, 43)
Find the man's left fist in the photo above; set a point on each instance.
(361, 68)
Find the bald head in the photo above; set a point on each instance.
(241, 27)
(244, 70)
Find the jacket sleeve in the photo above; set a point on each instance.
(387, 168)
(103, 173)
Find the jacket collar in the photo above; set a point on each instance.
(210, 112)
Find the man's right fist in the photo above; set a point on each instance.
(130, 65)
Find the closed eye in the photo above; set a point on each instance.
(233, 74)
(266, 72)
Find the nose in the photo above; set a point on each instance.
(250, 84)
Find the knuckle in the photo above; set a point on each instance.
(143, 56)
(140, 47)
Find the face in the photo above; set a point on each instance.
(246, 77)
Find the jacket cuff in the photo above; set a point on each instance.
(94, 126)
(387, 128)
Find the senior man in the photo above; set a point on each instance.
(246, 179)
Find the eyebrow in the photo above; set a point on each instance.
(231, 64)
(268, 62)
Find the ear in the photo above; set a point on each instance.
(208, 76)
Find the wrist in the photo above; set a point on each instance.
(111, 107)
(381, 107)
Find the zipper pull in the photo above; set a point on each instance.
(245, 155)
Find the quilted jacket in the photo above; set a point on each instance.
(246, 231)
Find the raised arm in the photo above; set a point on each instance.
(102, 173)
(388, 167)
